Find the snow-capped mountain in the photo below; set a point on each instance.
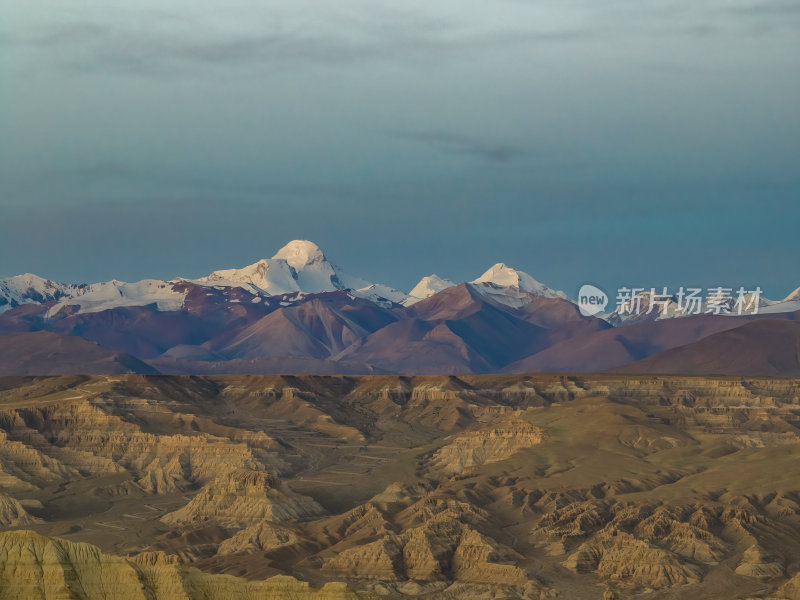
(512, 287)
(268, 276)
(647, 306)
(30, 289)
(500, 282)
(300, 267)
(793, 297)
(95, 297)
(502, 275)
(427, 287)
(789, 304)
(299, 312)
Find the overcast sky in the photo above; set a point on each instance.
(617, 142)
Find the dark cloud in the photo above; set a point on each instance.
(130, 43)
(205, 139)
(452, 143)
(153, 42)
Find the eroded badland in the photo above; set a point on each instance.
(545, 486)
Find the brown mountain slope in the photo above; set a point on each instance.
(318, 328)
(145, 331)
(763, 347)
(47, 353)
(460, 331)
(413, 345)
(255, 366)
(611, 348)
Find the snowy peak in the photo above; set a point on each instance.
(427, 287)
(107, 295)
(95, 297)
(645, 306)
(504, 276)
(380, 294)
(29, 289)
(300, 266)
(313, 272)
(268, 275)
(793, 297)
(652, 305)
(500, 274)
(300, 253)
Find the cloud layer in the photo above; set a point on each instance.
(558, 136)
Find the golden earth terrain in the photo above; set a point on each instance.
(571, 487)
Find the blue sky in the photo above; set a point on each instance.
(617, 142)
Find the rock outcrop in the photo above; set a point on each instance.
(13, 514)
(618, 555)
(758, 563)
(264, 537)
(35, 567)
(441, 541)
(467, 451)
(243, 498)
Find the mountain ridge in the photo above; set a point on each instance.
(299, 267)
(299, 312)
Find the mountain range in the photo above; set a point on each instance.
(299, 312)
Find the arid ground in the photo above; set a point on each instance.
(574, 487)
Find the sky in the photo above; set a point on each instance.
(618, 142)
